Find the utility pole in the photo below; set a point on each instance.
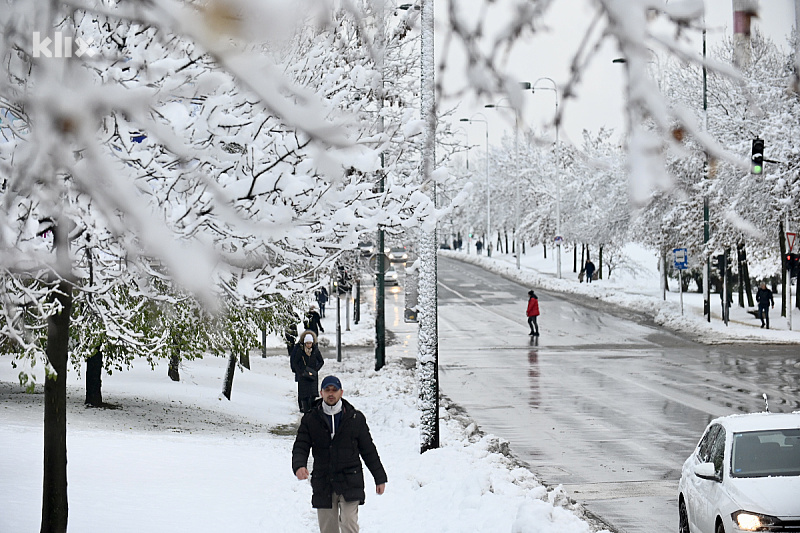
(380, 294)
(706, 222)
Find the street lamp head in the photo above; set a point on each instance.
(463, 120)
(619, 60)
(490, 106)
(524, 85)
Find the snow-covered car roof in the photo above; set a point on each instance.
(759, 421)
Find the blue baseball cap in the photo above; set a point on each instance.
(331, 380)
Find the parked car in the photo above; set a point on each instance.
(744, 475)
(397, 254)
(391, 276)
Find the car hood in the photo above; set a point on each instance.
(775, 496)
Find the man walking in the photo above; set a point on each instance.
(764, 299)
(339, 438)
(589, 268)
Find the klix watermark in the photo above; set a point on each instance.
(62, 46)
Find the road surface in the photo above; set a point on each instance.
(604, 402)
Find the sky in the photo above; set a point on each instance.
(600, 99)
(179, 457)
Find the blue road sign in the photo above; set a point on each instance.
(680, 258)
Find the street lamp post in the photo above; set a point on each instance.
(523, 85)
(558, 174)
(488, 190)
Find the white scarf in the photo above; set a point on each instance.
(332, 410)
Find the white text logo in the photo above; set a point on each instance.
(62, 46)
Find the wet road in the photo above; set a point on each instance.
(602, 402)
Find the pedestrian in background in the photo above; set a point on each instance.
(322, 299)
(764, 299)
(305, 362)
(290, 333)
(533, 312)
(589, 268)
(479, 247)
(313, 321)
(338, 436)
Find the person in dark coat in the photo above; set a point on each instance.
(764, 299)
(322, 299)
(338, 436)
(589, 268)
(290, 333)
(312, 321)
(306, 355)
(533, 312)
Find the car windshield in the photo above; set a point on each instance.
(766, 453)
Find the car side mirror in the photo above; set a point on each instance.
(706, 471)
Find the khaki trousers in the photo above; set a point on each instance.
(341, 518)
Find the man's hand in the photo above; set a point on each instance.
(302, 473)
(380, 488)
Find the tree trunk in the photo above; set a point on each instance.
(229, 373)
(782, 246)
(54, 487)
(745, 274)
(544, 248)
(174, 363)
(245, 359)
(575, 258)
(506, 236)
(600, 263)
(94, 379)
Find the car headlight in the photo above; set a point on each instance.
(748, 521)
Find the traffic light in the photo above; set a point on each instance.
(757, 159)
(793, 265)
(718, 262)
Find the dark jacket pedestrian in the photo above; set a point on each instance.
(305, 362)
(337, 435)
(764, 299)
(322, 299)
(313, 321)
(290, 336)
(533, 312)
(479, 247)
(589, 268)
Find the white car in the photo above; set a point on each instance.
(744, 475)
(398, 254)
(391, 276)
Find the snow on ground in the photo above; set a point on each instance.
(179, 457)
(637, 287)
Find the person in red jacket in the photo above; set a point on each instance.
(533, 312)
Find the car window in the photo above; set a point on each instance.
(704, 448)
(717, 452)
(766, 453)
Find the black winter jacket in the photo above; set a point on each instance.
(337, 465)
(764, 297)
